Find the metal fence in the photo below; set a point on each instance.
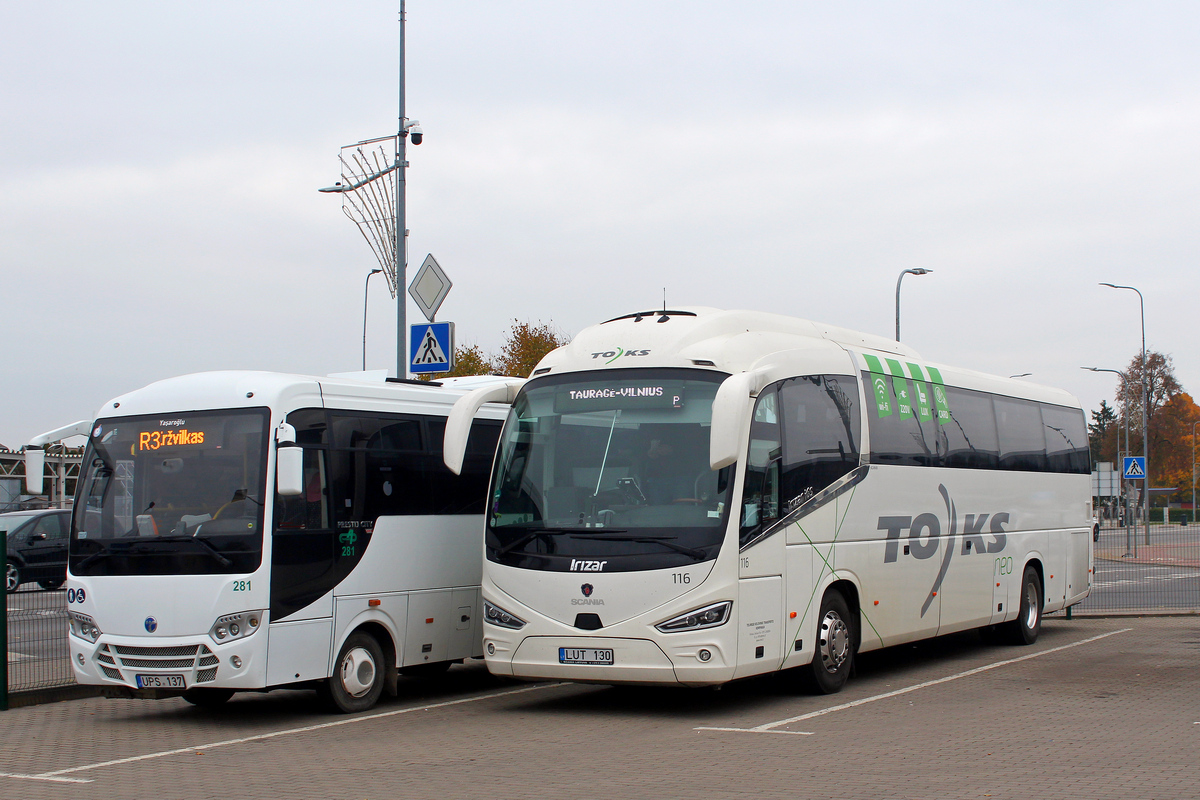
(1158, 574)
(36, 642)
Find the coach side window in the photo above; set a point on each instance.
(1022, 443)
(970, 437)
(760, 494)
(821, 422)
(1066, 440)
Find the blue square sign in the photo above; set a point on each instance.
(1135, 468)
(431, 347)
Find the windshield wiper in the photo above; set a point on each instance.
(665, 541)
(214, 552)
(533, 534)
(93, 557)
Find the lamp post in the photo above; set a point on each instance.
(1130, 544)
(366, 285)
(1194, 424)
(913, 271)
(1145, 404)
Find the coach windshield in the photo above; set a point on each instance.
(610, 465)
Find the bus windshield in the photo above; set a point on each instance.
(172, 494)
(609, 466)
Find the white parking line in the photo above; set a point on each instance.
(769, 726)
(56, 775)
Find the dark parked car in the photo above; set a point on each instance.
(37, 547)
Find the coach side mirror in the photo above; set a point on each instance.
(35, 465)
(289, 462)
(730, 415)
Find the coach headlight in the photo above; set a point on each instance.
(235, 626)
(707, 617)
(497, 616)
(83, 626)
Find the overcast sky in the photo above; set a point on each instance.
(159, 165)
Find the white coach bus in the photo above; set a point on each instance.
(251, 530)
(694, 496)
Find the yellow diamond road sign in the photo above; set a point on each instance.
(430, 287)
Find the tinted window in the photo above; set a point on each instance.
(1066, 440)
(899, 435)
(969, 439)
(760, 495)
(1019, 424)
(821, 422)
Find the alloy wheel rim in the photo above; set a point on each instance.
(835, 641)
(358, 672)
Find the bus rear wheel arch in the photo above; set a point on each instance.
(359, 674)
(836, 645)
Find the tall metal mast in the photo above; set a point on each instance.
(401, 224)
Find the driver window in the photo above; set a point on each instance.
(760, 493)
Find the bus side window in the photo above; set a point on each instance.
(760, 493)
(821, 423)
(309, 510)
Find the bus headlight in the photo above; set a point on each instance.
(235, 626)
(497, 616)
(83, 626)
(707, 617)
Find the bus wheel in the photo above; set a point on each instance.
(357, 679)
(1024, 629)
(208, 698)
(837, 640)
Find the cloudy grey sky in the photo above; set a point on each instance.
(159, 165)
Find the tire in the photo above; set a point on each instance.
(358, 675)
(208, 698)
(50, 586)
(431, 670)
(1025, 628)
(12, 576)
(837, 642)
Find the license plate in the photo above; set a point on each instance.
(160, 682)
(585, 655)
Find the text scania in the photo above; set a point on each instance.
(925, 533)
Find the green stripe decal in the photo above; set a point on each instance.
(921, 391)
(883, 400)
(900, 388)
(939, 395)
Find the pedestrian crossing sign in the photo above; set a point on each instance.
(1135, 468)
(431, 347)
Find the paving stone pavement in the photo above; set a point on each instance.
(1073, 716)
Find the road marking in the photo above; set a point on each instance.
(44, 778)
(753, 730)
(287, 732)
(769, 726)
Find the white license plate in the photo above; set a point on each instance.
(160, 682)
(585, 655)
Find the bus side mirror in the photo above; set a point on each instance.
(458, 423)
(35, 465)
(289, 462)
(730, 412)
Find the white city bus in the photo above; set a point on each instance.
(694, 496)
(251, 530)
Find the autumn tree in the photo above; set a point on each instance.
(1102, 433)
(525, 346)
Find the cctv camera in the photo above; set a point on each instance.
(417, 134)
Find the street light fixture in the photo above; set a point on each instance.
(1145, 404)
(366, 285)
(913, 271)
(1130, 542)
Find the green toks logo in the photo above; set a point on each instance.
(613, 355)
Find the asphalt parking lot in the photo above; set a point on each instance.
(1099, 707)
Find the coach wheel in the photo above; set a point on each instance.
(357, 679)
(1024, 629)
(837, 640)
(12, 577)
(208, 698)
